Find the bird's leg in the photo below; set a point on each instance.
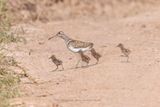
(62, 67)
(78, 57)
(97, 61)
(56, 68)
(77, 63)
(85, 65)
(82, 64)
(127, 58)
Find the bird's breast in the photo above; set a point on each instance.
(73, 49)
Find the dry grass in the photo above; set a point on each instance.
(8, 79)
(8, 86)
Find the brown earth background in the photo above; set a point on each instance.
(112, 82)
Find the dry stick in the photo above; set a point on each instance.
(26, 74)
(23, 31)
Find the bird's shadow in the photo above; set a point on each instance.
(56, 70)
(125, 62)
(75, 68)
(83, 67)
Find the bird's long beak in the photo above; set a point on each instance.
(52, 37)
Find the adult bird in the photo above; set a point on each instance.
(75, 46)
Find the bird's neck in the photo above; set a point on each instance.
(66, 38)
(122, 48)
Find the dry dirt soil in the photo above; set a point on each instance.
(111, 83)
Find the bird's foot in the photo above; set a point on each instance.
(76, 67)
(86, 66)
(61, 70)
(127, 61)
(97, 62)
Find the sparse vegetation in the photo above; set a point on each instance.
(8, 86)
(8, 79)
(5, 36)
(4, 23)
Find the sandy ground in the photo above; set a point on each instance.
(112, 82)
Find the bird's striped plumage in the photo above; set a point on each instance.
(75, 45)
(57, 62)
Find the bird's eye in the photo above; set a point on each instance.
(60, 32)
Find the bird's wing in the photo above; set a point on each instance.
(80, 44)
(127, 50)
